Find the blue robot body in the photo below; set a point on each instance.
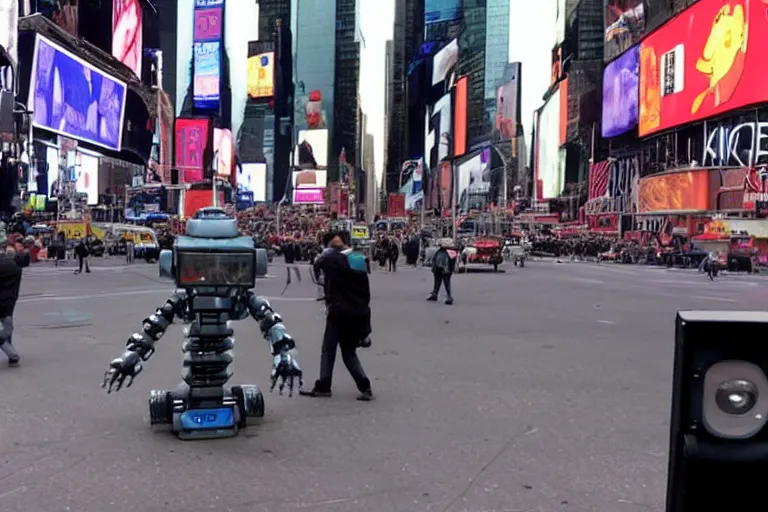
(214, 269)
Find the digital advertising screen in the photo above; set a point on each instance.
(127, 26)
(9, 20)
(87, 174)
(208, 24)
(707, 61)
(308, 196)
(621, 93)
(309, 178)
(206, 53)
(436, 11)
(549, 148)
(624, 25)
(191, 141)
(438, 132)
(261, 75)
(473, 180)
(253, 178)
(444, 62)
(72, 98)
(507, 115)
(460, 98)
(225, 146)
(677, 191)
(318, 144)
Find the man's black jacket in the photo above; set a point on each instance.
(10, 281)
(347, 292)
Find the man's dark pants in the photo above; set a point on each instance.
(333, 338)
(443, 278)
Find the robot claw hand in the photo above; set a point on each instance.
(121, 372)
(286, 369)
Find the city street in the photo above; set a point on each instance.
(542, 389)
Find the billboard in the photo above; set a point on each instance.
(560, 21)
(438, 127)
(52, 163)
(309, 178)
(261, 75)
(127, 26)
(72, 98)
(707, 61)
(253, 178)
(224, 145)
(444, 62)
(548, 138)
(507, 114)
(308, 196)
(312, 148)
(207, 49)
(473, 181)
(677, 191)
(87, 177)
(436, 11)
(191, 141)
(624, 25)
(620, 94)
(460, 93)
(9, 35)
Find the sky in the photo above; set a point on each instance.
(529, 44)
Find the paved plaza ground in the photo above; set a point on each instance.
(542, 389)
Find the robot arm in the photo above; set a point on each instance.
(282, 345)
(141, 345)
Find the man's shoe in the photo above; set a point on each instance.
(77, 272)
(366, 343)
(366, 396)
(449, 302)
(432, 298)
(316, 394)
(13, 361)
(87, 271)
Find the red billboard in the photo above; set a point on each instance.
(191, 141)
(708, 60)
(396, 205)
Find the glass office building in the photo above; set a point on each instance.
(496, 51)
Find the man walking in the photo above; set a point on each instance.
(11, 264)
(443, 265)
(348, 318)
(83, 251)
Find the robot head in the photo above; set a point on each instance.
(211, 254)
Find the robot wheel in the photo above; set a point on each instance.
(160, 408)
(250, 402)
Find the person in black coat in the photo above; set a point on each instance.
(11, 264)
(83, 251)
(443, 266)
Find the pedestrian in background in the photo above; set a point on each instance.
(83, 251)
(443, 266)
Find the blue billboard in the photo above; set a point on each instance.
(70, 97)
(207, 50)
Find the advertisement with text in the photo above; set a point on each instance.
(507, 112)
(677, 191)
(707, 61)
(191, 140)
(620, 94)
(207, 50)
(624, 25)
(261, 75)
(253, 178)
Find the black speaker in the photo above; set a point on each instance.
(174, 176)
(718, 447)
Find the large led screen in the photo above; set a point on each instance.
(9, 20)
(444, 62)
(207, 67)
(624, 25)
(224, 146)
(474, 181)
(318, 145)
(253, 178)
(549, 148)
(707, 61)
(87, 176)
(72, 98)
(310, 178)
(436, 11)
(261, 75)
(191, 140)
(52, 163)
(308, 196)
(677, 191)
(127, 43)
(460, 98)
(208, 24)
(507, 115)
(620, 94)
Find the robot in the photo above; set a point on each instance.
(214, 269)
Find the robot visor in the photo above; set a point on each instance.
(225, 269)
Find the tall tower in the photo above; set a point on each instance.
(472, 58)
(496, 51)
(346, 87)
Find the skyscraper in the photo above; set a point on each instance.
(472, 52)
(496, 51)
(346, 88)
(407, 36)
